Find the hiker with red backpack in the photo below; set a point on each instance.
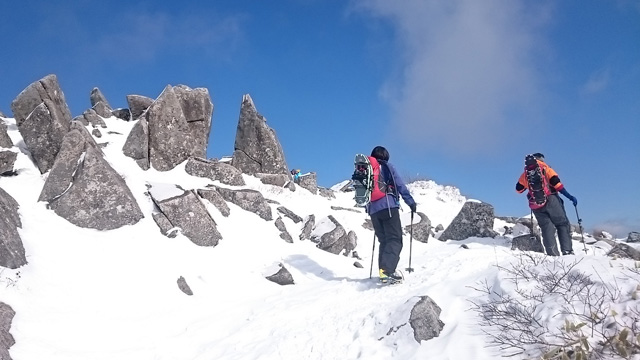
(383, 208)
(544, 185)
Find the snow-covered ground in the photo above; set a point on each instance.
(88, 294)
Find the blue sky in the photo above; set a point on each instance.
(458, 91)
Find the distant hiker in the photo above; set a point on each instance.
(296, 175)
(544, 184)
(385, 216)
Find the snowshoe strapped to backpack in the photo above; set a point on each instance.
(537, 181)
(368, 180)
(362, 179)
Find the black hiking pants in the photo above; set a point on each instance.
(386, 224)
(552, 217)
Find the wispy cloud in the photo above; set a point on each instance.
(146, 36)
(467, 68)
(597, 82)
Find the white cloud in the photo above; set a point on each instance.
(468, 68)
(597, 82)
(144, 36)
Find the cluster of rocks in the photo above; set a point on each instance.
(82, 187)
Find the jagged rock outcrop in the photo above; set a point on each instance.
(187, 212)
(122, 114)
(197, 109)
(183, 286)
(43, 117)
(2, 114)
(284, 234)
(179, 123)
(6, 339)
(257, 149)
(290, 214)
(282, 277)
(96, 96)
(336, 240)
(421, 229)
(249, 200)
(102, 109)
(7, 160)
(5, 140)
(33, 95)
(527, 242)
(12, 254)
(214, 197)
(633, 237)
(215, 171)
(84, 189)
(42, 131)
(309, 181)
(305, 234)
(138, 104)
(425, 319)
(137, 144)
(90, 117)
(475, 219)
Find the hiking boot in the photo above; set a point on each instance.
(570, 252)
(393, 277)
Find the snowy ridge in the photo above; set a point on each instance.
(104, 295)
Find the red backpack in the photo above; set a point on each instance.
(380, 187)
(539, 188)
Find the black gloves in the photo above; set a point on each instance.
(413, 207)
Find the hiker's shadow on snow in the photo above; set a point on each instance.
(309, 267)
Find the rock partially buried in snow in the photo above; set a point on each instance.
(527, 242)
(284, 234)
(183, 286)
(425, 319)
(421, 229)
(282, 276)
(215, 171)
(187, 212)
(249, 200)
(6, 339)
(633, 237)
(475, 219)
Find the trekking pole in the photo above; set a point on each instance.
(580, 226)
(533, 234)
(372, 252)
(410, 269)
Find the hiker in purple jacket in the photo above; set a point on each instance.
(385, 216)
